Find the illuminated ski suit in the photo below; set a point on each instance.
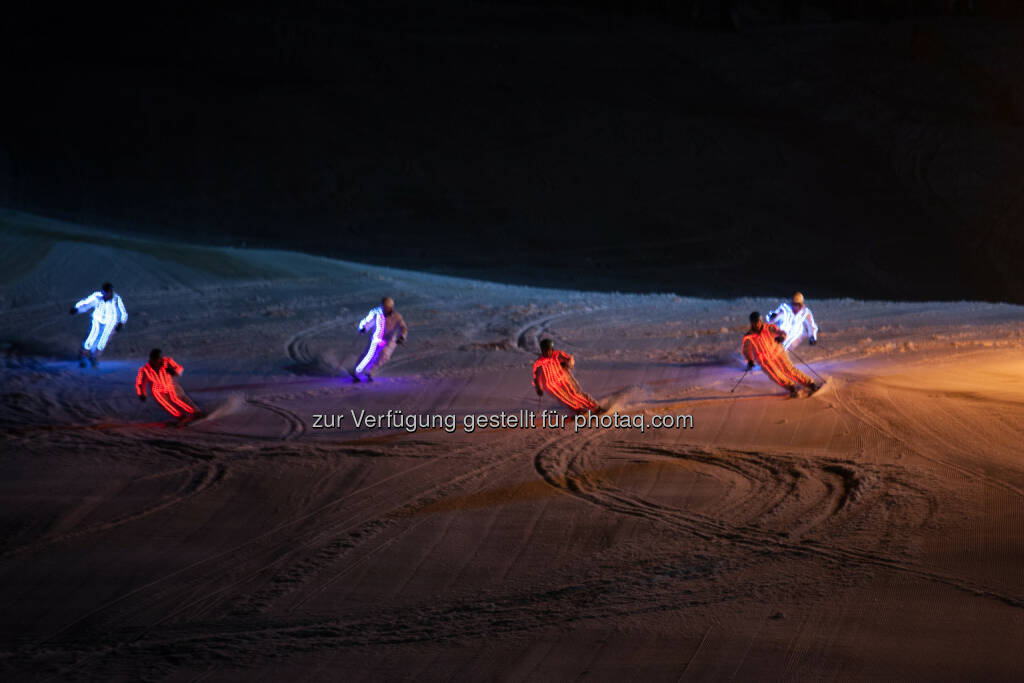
(759, 346)
(163, 387)
(384, 334)
(552, 374)
(796, 324)
(105, 317)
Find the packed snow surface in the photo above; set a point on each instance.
(874, 530)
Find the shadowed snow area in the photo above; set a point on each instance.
(874, 530)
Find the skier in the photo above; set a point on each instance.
(386, 328)
(108, 315)
(796, 320)
(552, 372)
(763, 343)
(158, 374)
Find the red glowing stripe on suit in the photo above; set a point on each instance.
(551, 376)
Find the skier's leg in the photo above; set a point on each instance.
(88, 349)
(372, 350)
(792, 372)
(771, 368)
(101, 343)
(577, 401)
(184, 399)
(565, 390)
(104, 336)
(383, 357)
(180, 403)
(90, 341)
(168, 406)
(586, 403)
(582, 399)
(786, 375)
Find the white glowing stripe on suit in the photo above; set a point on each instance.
(377, 316)
(794, 324)
(104, 312)
(98, 336)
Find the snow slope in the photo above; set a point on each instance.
(875, 530)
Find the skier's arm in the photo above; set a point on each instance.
(779, 335)
(811, 327)
(405, 330)
(372, 315)
(141, 383)
(88, 302)
(175, 367)
(536, 380)
(566, 360)
(122, 314)
(748, 352)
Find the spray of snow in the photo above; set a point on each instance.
(233, 404)
(630, 399)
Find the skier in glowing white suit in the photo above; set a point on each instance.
(796, 320)
(386, 328)
(108, 315)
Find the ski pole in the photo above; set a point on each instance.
(138, 411)
(808, 365)
(742, 377)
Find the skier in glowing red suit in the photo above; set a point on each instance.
(763, 344)
(159, 374)
(552, 373)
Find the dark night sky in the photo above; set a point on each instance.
(581, 146)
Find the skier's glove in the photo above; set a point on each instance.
(362, 330)
(750, 365)
(540, 392)
(812, 341)
(118, 327)
(400, 340)
(172, 372)
(780, 339)
(142, 397)
(73, 310)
